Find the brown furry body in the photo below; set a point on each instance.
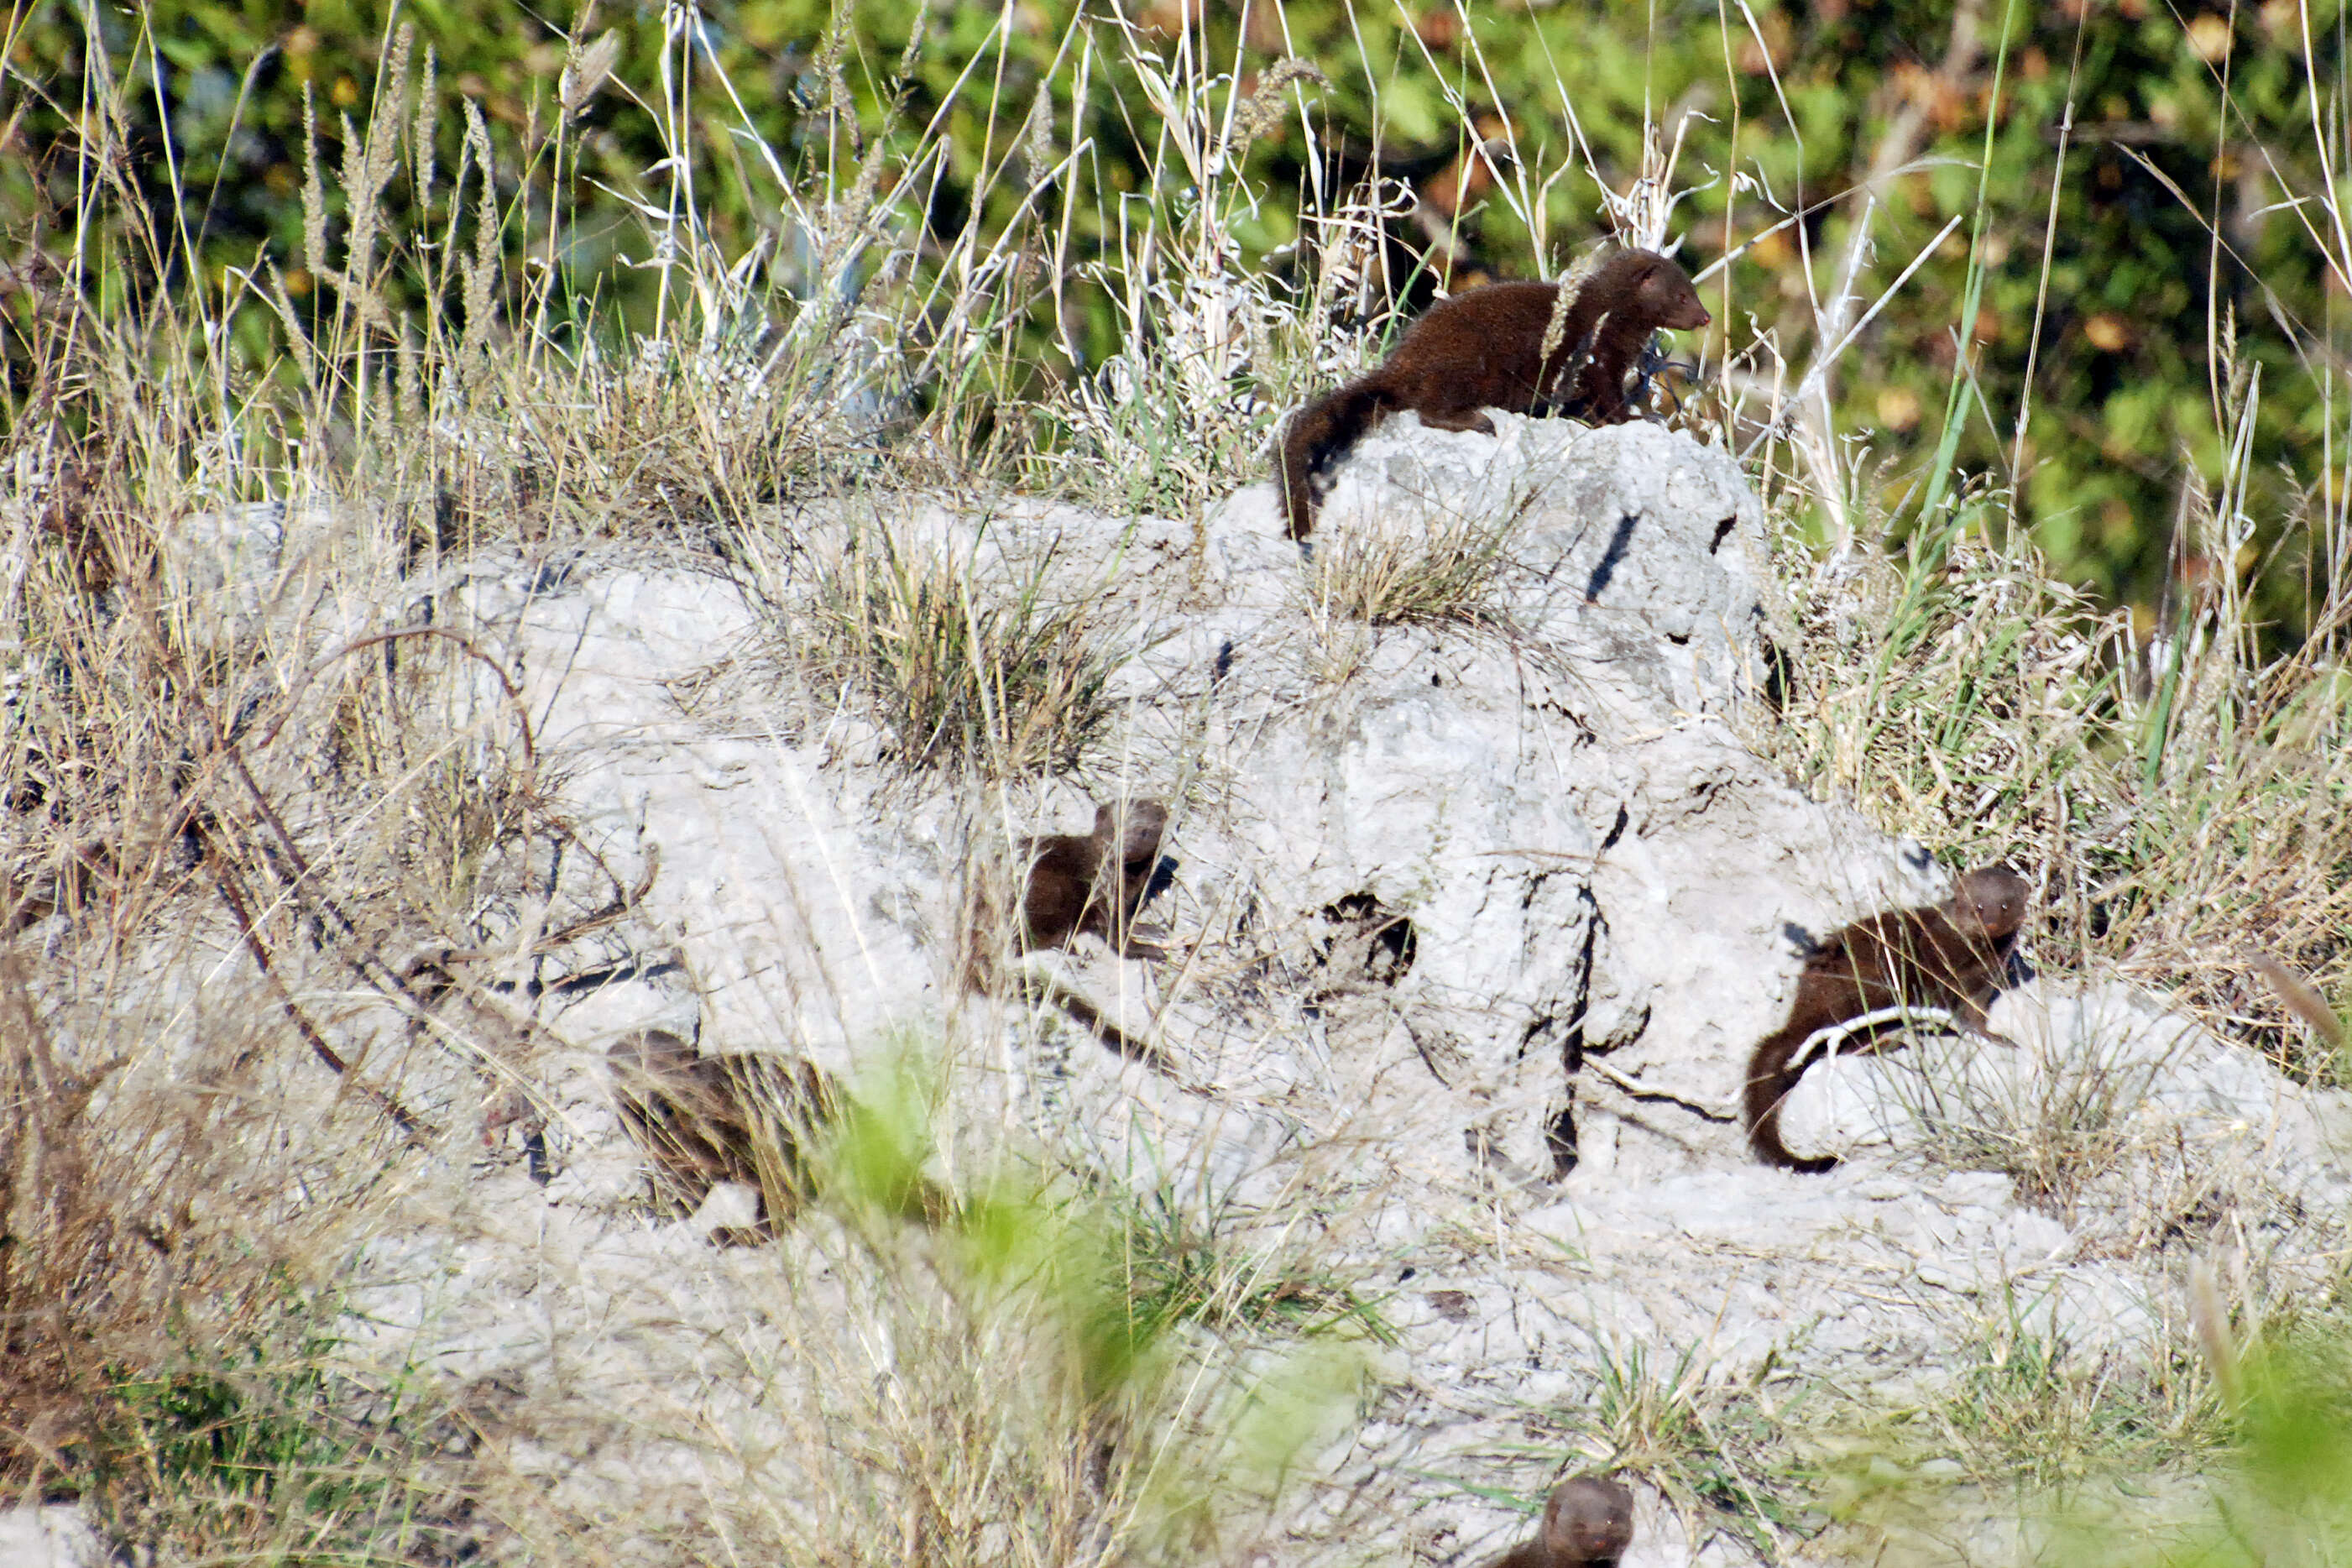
(1951, 956)
(1076, 885)
(1586, 1523)
(1484, 348)
(705, 1119)
(1092, 884)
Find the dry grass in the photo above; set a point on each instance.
(1703, 1441)
(1017, 1374)
(1412, 570)
(960, 667)
(1994, 1461)
(2056, 1115)
(185, 1192)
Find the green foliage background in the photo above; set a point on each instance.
(2191, 132)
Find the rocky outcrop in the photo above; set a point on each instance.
(1474, 924)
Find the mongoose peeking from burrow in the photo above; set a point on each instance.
(1485, 347)
(1952, 956)
(1586, 1523)
(1093, 883)
(705, 1119)
(1073, 885)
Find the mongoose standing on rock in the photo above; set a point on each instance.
(1485, 348)
(1588, 1524)
(1953, 956)
(705, 1119)
(1076, 885)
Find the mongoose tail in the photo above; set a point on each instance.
(1324, 427)
(1769, 1080)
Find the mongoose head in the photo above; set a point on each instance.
(1664, 294)
(1589, 1519)
(1990, 902)
(1132, 831)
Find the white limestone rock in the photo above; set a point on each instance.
(56, 1535)
(1473, 930)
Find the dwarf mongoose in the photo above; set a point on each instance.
(1952, 956)
(705, 1119)
(1588, 1524)
(1076, 885)
(1485, 347)
(1093, 883)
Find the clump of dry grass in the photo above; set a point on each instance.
(1425, 571)
(2056, 1114)
(224, 828)
(1702, 1439)
(1957, 691)
(176, 1212)
(2028, 1411)
(1211, 346)
(989, 667)
(1017, 1373)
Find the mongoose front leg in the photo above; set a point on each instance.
(1972, 1017)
